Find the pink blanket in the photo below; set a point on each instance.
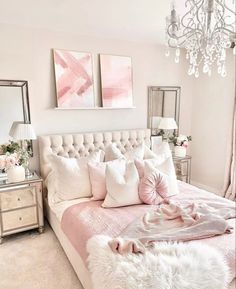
(174, 222)
(82, 221)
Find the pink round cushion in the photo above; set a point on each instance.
(153, 188)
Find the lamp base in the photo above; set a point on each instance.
(28, 173)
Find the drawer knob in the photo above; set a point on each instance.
(20, 218)
(18, 199)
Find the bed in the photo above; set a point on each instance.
(80, 145)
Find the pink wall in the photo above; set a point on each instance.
(26, 54)
(206, 103)
(213, 100)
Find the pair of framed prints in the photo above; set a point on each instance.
(75, 86)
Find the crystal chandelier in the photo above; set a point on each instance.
(206, 30)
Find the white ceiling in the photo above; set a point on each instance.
(135, 20)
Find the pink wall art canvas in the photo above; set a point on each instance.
(116, 81)
(74, 79)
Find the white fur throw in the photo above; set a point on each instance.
(165, 266)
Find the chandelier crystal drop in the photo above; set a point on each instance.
(206, 30)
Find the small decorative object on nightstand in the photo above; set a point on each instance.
(181, 143)
(168, 125)
(23, 132)
(183, 168)
(21, 206)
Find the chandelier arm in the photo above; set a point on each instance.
(192, 32)
(221, 17)
(169, 44)
(197, 15)
(225, 30)
(229, 9)
(175, 36)
(186, 14)
(185, 40)
(181, 43)
(194, 5)
(223, 11)
(223, 27)
(224, 8)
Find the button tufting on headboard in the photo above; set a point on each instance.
(81, 145)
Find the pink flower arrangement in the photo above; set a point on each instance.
(181, 140)
(8, 161)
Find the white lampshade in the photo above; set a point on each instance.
(22, 131)
(156, 121)
(167, 123)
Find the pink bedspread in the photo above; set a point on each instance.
(82, 221)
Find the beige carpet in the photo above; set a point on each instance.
(33, 261)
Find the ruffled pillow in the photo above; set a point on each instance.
(153, 188)
(145, 167)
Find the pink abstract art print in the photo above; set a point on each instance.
(74, 79)
(116, 81)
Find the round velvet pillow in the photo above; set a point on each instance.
(153, 188)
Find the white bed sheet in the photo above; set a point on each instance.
(59, 208)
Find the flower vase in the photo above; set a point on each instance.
(16, 174)
(180, 151)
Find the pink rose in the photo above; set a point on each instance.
(185, 144)
(11, 161)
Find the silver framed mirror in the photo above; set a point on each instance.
(14, 106)
(163, 101)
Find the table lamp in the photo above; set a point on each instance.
(23, 132)
(167, 124)
(155, 123)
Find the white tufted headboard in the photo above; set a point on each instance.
(80, 145)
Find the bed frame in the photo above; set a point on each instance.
(80, 145)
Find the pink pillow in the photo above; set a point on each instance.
(153, 188)
(97, 174)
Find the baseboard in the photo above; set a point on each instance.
(207, 188)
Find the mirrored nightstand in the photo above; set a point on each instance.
(21, 206)
(183, 168)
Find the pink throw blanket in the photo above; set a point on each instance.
(82, 221)
(174, 222)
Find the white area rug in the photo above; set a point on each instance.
(33, 261)
(166, 266)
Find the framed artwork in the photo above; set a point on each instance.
(116, 81)
(74, 79)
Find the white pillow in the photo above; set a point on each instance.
(135, 153)
(162, 152)
(97, 174)
(148, 153)
(70, 177)
(142, 151)
(113, 153)
(122, 190)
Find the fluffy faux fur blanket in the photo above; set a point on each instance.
(164, 266)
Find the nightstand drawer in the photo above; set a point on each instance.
(19, 218)
(17, 198)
